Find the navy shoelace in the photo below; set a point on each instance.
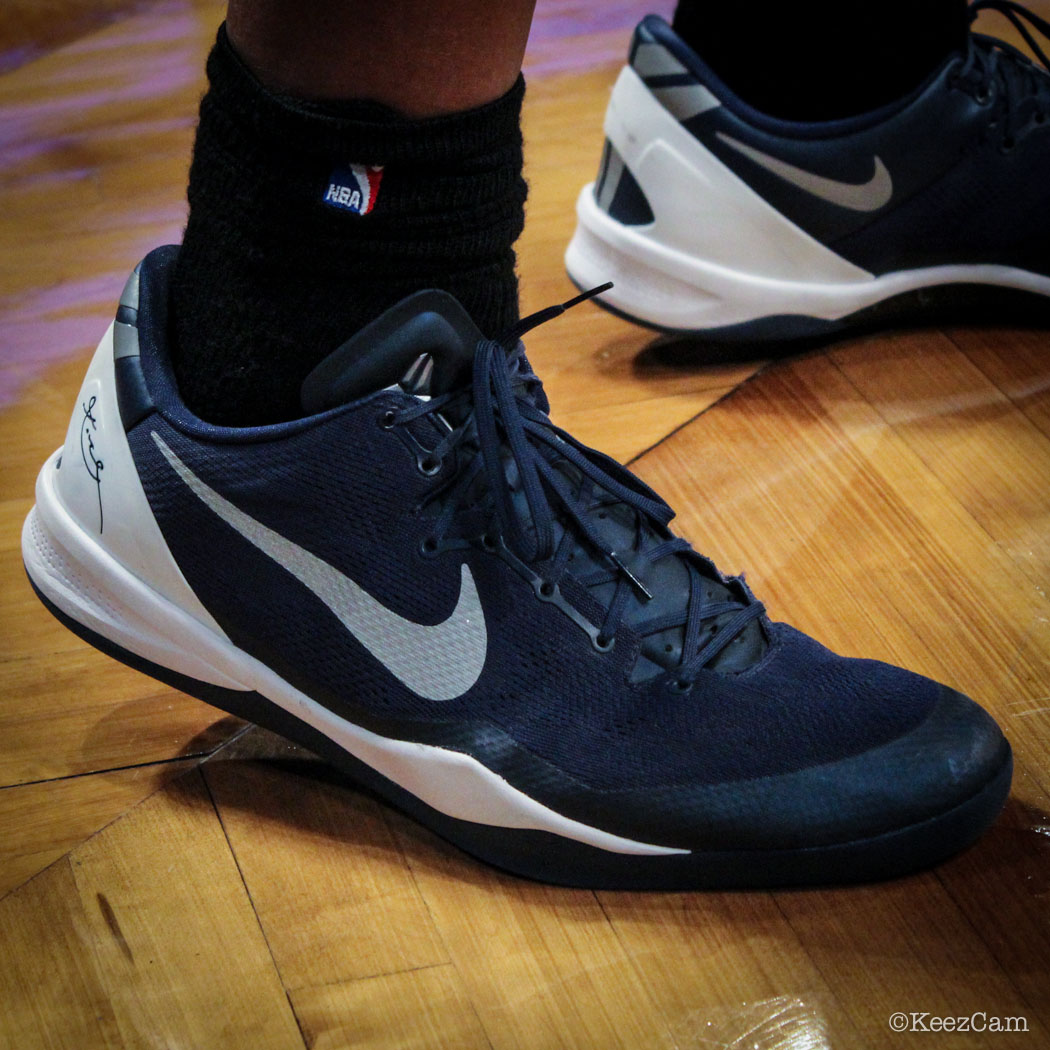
(996, 70)
(548, 495)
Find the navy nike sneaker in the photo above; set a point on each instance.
(429, 584)
(716, 219)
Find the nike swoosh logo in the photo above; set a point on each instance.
(438, 662)
(858, 196)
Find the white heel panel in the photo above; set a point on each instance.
(702, 208)
(83, 580)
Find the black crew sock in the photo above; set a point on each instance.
(295, 240)
(822, 59)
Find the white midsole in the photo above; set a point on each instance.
(670, 288)
(89, 585)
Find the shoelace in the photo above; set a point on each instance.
(994, 67)
(547, 493)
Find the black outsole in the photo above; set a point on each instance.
(551, 858)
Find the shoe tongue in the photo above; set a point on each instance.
(425, 343)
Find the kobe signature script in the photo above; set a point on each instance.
(93, 464)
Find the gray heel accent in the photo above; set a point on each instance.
(133, 398)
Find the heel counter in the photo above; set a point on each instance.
(676, 86)
(95, 479)
(656, 70)
(96, 456)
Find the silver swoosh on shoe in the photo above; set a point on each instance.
(437, 662)
(862, 196)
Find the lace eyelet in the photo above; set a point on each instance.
(429, 547)
(386, 419)
(1007, 145)
(489, 541)
(603, 644)
(982, 98)
(681, 685)
(1039, 119)
(428, 465)
(545, 590)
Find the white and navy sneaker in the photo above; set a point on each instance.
(432, 586)
(713, 218)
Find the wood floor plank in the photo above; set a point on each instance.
(417, 1010)
(626, 433)
(1001, 886)
(580, 34)
(326, 876)
(727, 969)
(144, 937)
(52, 994)
(541, 965)
(906, 946)
(97, 138)
(1017, 361)
(81, 712)
(41, 822)
(179, 948)
(12, 514)
(29, 28)
(968, 433)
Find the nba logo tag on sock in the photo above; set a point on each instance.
(354, 187)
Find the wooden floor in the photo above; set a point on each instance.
(172, 879)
